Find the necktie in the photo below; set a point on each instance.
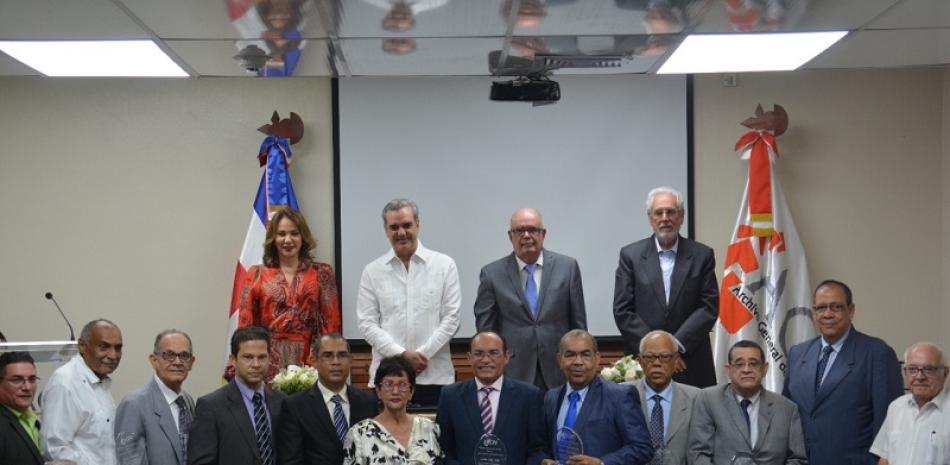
(488, 422)
(184, 420)
(656, 427)
(262, 431)
(822, 363)
(569, 419)
(531, 290)
(339, 419)
(745, 412)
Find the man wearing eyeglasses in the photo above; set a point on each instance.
(742, 422)
(917, 428)
(313, 423)
(668, 282)
(667, 405)
(531, 297)
(501, 406)
(19, 427)
(842, 381)
(152, 422)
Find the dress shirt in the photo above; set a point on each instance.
(494, 397)
(78, 415)
(415, 309)
(248, 395)
(28, 421)
(667, 260)
(836, 348)
(753, 414)
(562, 412)
(170, 397)
(537, 272)
(331, 406)
(915, 436)
(666, 400)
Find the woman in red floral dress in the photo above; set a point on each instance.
(291, 295)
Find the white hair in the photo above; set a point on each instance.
(928, 345)
(664, 190)
(660, 332)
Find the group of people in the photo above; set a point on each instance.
(535, 365)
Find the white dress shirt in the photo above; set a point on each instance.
(753, 415)
(415, 310)
(537, 272)
(78, 415)
(170, 398)
(331, 406)
(915, 436)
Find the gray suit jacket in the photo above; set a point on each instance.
(146, 429)
(501, 307)
(718, 430)
(677, 433)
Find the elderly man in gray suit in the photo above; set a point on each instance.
(151, 423)
(741, 422)
(531, 298)
(667, 405)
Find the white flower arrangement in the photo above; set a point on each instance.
(294, 379)
(625, 369)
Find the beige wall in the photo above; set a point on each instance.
(945, 237)
(129, 200)
(862, 169)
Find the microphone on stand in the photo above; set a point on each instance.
(72, 334)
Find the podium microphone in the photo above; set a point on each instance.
(72, 335)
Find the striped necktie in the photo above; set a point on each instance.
(339, 419)
(488, 422)
(262, 431)
(184, 421)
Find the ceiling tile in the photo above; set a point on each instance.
(887, 48)
(11, 67)
(792, 15)
(430, 57)
(428, 18)
(66, 19)
(601, 17)
(915, 14)
(214, 58)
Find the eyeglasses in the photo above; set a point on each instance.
(170, 356)
(650, 358)
(754, 364)
(669, 212)
(528, 229)
(833, 308)
(19, 380)
(492, 354)
(928, 370)
(390, 386)
(329, 356)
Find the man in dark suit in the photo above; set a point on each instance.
(531, 298)
(491, 404)
(605, 415)
(234, 425)
(743, 419)
(842, 381)
(313, 423)
(19, 428)
(152, 422)
(668, 282)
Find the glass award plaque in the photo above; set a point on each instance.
(568, 444)
(490, 450)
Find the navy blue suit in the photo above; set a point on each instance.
(610, 423)
(520, 422)
(841, 420)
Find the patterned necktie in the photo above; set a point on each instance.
(262, 431)
(339, 420)
(488, 422)
(656, 424)
(531, 290)
(184, 421)
(745, 412)
(822, 363)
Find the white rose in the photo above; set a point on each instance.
(630, 374)
(609, 373)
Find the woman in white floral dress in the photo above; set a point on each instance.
(393, 437)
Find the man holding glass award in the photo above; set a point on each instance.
(591, 421)
(742, 423)
(492, 419)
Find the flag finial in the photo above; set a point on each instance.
(775, 120)
(291, 128)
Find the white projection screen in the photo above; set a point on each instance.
(586, 163)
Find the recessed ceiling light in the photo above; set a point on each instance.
(733, 53)
(133, 58)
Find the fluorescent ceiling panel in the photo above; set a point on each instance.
(98, 58)
(724, 53)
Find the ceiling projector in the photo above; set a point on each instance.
(532, 88)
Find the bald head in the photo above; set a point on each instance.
(526, 234)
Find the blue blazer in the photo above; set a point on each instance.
(610, 423)
(520, 422)
(842, 418)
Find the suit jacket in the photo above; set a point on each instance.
(305, 434)
(519, 424)
(677, 433)
(864, 379)
(718, 429)
(610, 423)
(16, 447)
(145, 427)
(501, 307)
(640, 303)
(222, 431)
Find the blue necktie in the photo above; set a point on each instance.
(745, 412)
(656, 427)
(531, 290)
(822, 363)
(184, 422)
(339, 420)
(262, 431)
(571, 415)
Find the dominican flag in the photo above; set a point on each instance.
(275, 192)
(765, 295)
